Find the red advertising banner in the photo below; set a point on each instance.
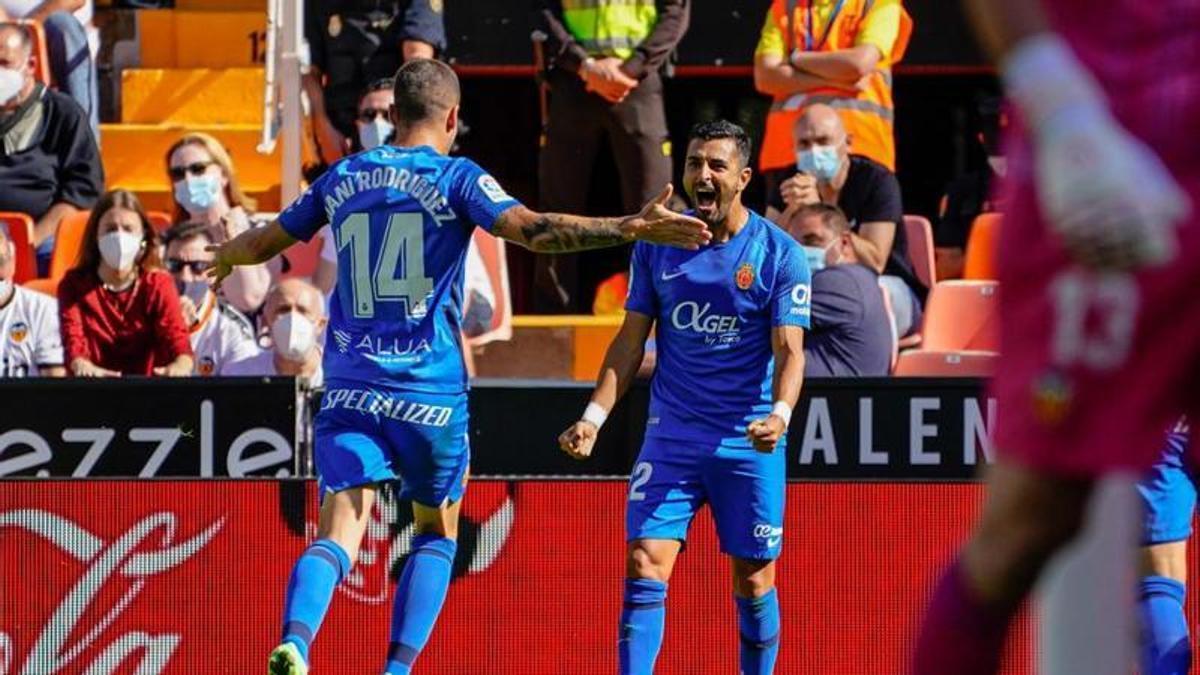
(188, 576)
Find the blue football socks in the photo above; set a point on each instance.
(419, 599)
(758, 623)
(318, 571)
(1166, 649)
(642, 619)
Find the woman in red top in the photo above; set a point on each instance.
(119, 311)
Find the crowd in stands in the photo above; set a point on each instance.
(131, 297)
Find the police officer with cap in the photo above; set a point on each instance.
(355, 42)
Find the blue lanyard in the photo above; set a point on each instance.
(808, 36)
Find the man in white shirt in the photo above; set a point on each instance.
(220, 334)
(72, 43)
(30, 342)
(295, 313)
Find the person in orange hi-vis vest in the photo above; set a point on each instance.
(837, 52)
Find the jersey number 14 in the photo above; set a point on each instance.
(398, 272)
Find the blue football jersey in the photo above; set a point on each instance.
(402, 220)
(714, 309)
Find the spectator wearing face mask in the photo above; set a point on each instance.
(119, 311)
(219, 334)
(826, 172)
(49, 163)
(206, 190)
(295, 315)
(71, 46)
(374, 129)
(30, 342)
(970, 194)
(851, 335)
(353, 43)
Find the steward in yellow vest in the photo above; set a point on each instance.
(836, 52)
(603, 59)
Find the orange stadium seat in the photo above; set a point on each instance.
(41, 62)
(891, 319)
(925, 363)
(962, 315)
(67, 243)
(980, 261)
(20, 233)
(159, 220)
(919, 234)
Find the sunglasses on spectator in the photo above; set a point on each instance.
(176, 265)
(195, 168)
(368, 116)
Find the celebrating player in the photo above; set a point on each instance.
(1168, 495)
(1089, 247)
(730, 320)
(395, 404)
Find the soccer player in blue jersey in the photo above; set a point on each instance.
(1168, 494)
(395, 406)
(729, 322)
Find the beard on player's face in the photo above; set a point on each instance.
(711, 196)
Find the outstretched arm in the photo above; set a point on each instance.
(560, 232)
(619, 370)
(252, 247)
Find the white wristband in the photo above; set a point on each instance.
(595, 413)
(783, 411)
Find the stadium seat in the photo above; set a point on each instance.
(926, 363)
(891, 319)
(67, 244)
(199, 38)
(492, 252)
(192, 96)
(20, 232)
(962, 315)
(980, 262)
(159, 220)
(919, 234)
(41, 62)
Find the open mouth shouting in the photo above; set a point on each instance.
(706, 201)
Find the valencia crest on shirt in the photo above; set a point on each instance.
(744, 276)
(18, 331)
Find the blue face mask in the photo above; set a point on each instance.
(821, 162)
(375, 134)
(196, 194)
(815, 256)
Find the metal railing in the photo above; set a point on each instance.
(282, 107)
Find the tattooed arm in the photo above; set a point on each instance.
(561, 233)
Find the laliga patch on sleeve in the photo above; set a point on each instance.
(492, 189)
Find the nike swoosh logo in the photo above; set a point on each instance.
(773, 542)
(668, 277)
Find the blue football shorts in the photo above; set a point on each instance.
(1168, 492)
(671, 480)
(365, 435)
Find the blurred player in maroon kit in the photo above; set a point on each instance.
(1100, 312)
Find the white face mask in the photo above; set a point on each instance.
(294, 336)
(11, 83)
(6, 286)
(375, 134)
(120, 249)
(999, 164)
